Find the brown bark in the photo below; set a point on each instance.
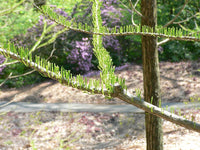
(151, 76)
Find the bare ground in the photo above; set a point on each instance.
(54, 130)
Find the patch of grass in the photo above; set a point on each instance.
(9, 142)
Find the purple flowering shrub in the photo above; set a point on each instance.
(81, 55)
(111, 16)
(2, 59)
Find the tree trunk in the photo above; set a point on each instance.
(151, 76)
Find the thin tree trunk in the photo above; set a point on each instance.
(151, 75)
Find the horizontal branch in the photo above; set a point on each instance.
(53, 75)
(182, 38)
(160, 112)
(21, 75)
(171, 33)
(118, 92)
(163, 41)
(9, 63)
(187, 19)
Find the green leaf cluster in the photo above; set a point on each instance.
(15, 18)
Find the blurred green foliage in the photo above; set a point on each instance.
(18, 21)
(15, 24)
(189, 19)
(66, 4)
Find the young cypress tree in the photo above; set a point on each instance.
(110, 84)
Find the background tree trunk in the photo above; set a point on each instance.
(151, 76)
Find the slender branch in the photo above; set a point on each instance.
(52, 52)
(6, 79)
(10, 10)
(50, 74)
(132, 14)
(10, 63)
(133, 8)
(21, 75)
(178, 14)
(163, 41)
(52, 39)
(160, 112)
(125, 6)
(60, 22)
(14, 99)
(187, 19)
(24, 74)
(40, 39)
(136, 3)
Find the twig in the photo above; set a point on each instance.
(1, 106)
(133, 8)
(52, 52)
(10, 63)
(6, 79)
(162, 35)
(163, 41)
(133, 11)
(171, 21)
(10, 10)
(21, 75)
(187, 19)
(40, 39)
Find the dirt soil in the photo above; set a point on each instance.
(91, 131)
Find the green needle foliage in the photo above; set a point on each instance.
(55, 72)
(105, 62)
(160, 31)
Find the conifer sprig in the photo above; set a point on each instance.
(55, 72)
(107, 74)
(160, 31)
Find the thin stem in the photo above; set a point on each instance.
(10, 63)
(178, 14)
(163, 41)
(187, 19)
(132, 14)
(133, 8)
(40, 39)
(21, 75)
(10, 10)
(13, 100)
(173, 37)
(6, 79)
